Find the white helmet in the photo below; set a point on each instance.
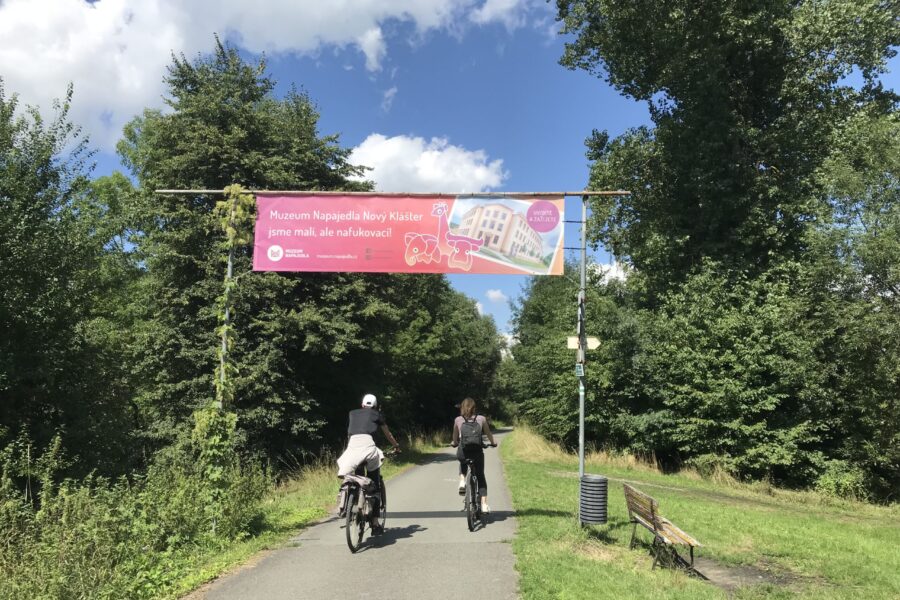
(369, 401)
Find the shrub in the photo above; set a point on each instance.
(98, 538)
(843, 480)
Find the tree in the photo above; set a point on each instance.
(225, 127)
(306, 346)
(763, 234)
(762, 228)
(859, 266)
(548, 390)
(55, 376)
(744, 98)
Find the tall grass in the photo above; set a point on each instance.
(101, 538)
(530, 446)
(425, 441)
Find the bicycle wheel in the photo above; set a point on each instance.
(476, 493)
(471, 500)
(356, 523)
(381, 519)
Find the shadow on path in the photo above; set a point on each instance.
(498, 515)
(542, 512)
(391, 535)
(439, 458)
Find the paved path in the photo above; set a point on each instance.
(426, 551)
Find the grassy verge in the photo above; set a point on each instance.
(308, 497)
(805, 545)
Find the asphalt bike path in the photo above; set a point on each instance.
(426, 551)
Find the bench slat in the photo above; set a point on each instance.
(644, 509)
(676, 532)
(642, 504)
(644, 522)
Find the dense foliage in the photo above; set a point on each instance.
(757, 330)
(123, 538)
(56, 371)
(747, 100)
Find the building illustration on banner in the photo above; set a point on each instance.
(505, 231)
(518, 233)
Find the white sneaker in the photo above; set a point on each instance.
(462, 487)
(485, 508)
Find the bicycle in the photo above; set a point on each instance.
(471, 502)
(362, 506)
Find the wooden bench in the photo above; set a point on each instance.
(644, 510)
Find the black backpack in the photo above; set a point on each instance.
(470, 433)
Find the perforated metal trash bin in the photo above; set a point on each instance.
(592, 500)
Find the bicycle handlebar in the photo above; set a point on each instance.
(483, 445)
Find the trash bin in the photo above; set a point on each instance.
(592, 500)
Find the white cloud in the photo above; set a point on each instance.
(116, 51)
(496, 296)
(511, 13)
(372, 45)
(549, 27)
(609, 272)
(388, 99)
(480, 308)
(508, 340)
(115, 56)
(412, 164)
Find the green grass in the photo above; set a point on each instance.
(809, 545)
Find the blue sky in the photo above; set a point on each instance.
(435, 95)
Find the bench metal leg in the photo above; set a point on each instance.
(633, 531)
(655, 549)
(691, 570)
(678, 561)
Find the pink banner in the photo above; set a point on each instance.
(403, 234)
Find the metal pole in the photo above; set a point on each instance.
(582, 336)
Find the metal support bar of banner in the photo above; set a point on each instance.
(409, 194)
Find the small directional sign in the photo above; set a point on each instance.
(572, 343)
(579, 370)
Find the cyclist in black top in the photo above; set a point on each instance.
(361, 448)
